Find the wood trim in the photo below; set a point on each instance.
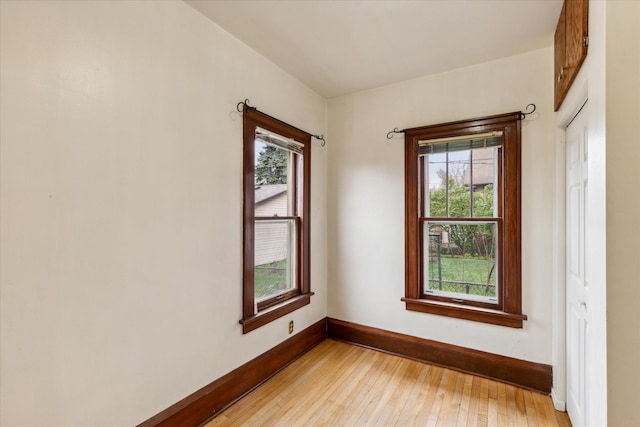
(269, 310)
(511, 250)
(508, 310)
(305, 238)
(248, 215)
(272, 124)
(412, 246)
(466, 312)
(211, 399)
(274, 312)
(463, 127)
(530, 375)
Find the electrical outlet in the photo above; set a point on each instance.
(291, 327)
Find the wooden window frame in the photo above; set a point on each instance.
(508, 310)
(254, 316)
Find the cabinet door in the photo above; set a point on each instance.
(559, 63)
(576, 19)
(570, 46)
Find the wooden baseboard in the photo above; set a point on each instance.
(530, 375)
(202, 405)
(210, 400)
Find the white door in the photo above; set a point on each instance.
(577, 285)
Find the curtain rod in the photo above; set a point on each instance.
(242, 105)
(523, 115)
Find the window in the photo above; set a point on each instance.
(462, 220)
(277, 172)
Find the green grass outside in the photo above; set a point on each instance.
(270, 278)
(462, 269)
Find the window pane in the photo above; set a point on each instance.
(272, 180)
(481, 176)
(460, 260)
(274, 258)
(447, 195)
(459, 194)
(450, 178)
(435, 188)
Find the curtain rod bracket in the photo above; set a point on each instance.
(395, 130)
(321, 139)
(524, 115)
(245, 105)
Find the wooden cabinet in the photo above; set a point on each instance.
(570, 46)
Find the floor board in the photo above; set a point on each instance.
(338, 384)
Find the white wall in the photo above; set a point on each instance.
(609, 79)
(121, 184)
(366, 199)
(623, 211)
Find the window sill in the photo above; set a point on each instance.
(494, 317)
(274, 312)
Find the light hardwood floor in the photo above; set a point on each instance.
(338, 384)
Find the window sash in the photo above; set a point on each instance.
(425, 195)
(291, 246)
(435, 260)
(294, 186)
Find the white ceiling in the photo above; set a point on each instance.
(340, 47)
